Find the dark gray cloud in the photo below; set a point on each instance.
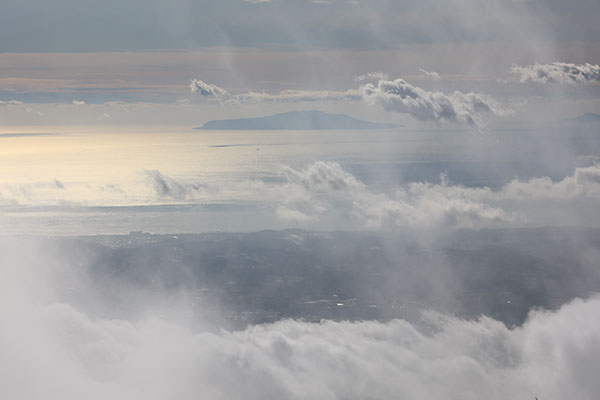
(558, 72)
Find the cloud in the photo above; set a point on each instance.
(78, 102)
(558, 72)
(397, 96)
(457, 107)
(13, 102)
(284, 96)
(371, 76)
(207, 89)
(59, 184)
(430, 74)
(55, 350)
(169, 188)
(293, 96)
(294, 216)
(323, 195)
(325, 190)
(583, 184)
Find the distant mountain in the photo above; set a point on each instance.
(296, 120)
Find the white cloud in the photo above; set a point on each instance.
(583, 184)
(372, 76)
(53, 350)
(78, 102)
(324, 190)
(457, 107)
(430, 74)
(558, 72)
(207, 89)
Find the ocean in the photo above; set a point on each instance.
(106, 180)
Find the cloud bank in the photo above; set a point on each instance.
(458, 107)
(558, 72)
(54, 350)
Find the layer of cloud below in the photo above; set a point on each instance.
(53, 350)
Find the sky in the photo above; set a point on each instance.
(148, 53)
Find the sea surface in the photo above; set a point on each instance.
(81, 180)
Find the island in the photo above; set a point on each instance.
(296, 120)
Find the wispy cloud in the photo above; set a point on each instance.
(292, 96)
(298, 96)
